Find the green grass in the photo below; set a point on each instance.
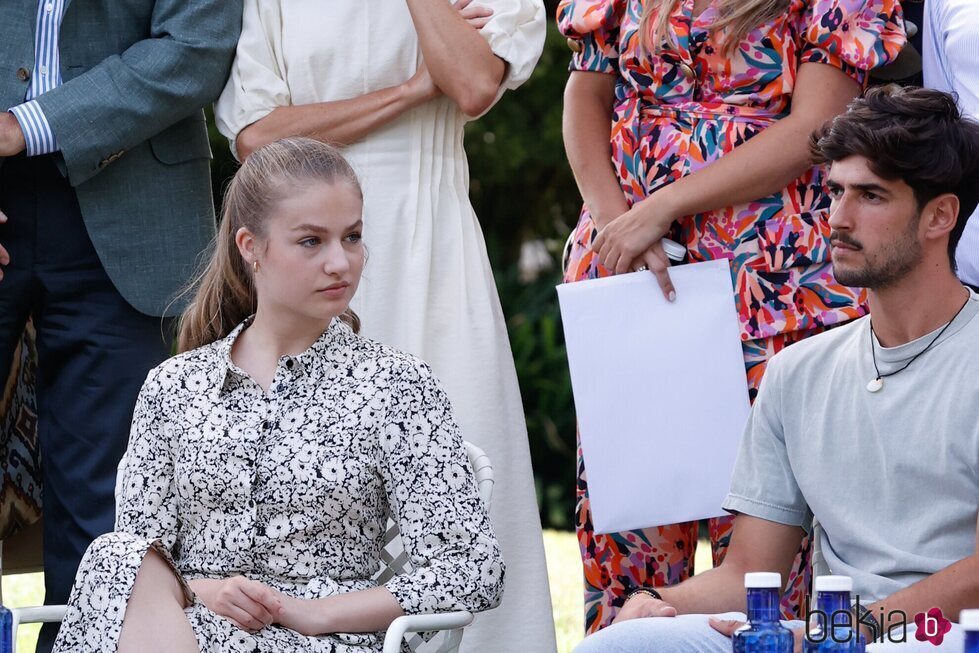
(563, 571)
(21, 591)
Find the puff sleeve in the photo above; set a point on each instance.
(257, 83)
(592, 28)
(855, 36)
(515, 33)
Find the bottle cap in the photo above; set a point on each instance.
(969, 620)
(674, 250)
(833, 584)
(763, 580)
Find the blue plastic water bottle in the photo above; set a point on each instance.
(6, 630)
(832, 630)
(969, 620)
(763, 633)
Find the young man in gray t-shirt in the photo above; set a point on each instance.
(870, 429)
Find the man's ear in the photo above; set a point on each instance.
(940, 215)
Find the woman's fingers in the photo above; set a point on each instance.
(241, 618)
(264, 596)
(656, 260)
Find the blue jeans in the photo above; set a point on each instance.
(691, 633)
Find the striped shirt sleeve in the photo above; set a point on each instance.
(38, 135)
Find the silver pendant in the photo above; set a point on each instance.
(875, 385)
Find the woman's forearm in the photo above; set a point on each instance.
(367, 611)
(587, 128)
(769, 161)
(460, 60)
(340, 122)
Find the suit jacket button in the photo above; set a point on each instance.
(23, 74)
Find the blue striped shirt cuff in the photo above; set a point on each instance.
(37, 132)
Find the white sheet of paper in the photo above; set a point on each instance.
(660, 393)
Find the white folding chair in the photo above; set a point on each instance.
(394, 561)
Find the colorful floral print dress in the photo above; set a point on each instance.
(675, 112)
(292, 487)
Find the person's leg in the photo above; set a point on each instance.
(155, 611)
(94, 351)
(684, 634)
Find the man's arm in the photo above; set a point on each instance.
(127, 98)
(756, 545)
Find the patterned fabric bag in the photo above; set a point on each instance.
(20, 456)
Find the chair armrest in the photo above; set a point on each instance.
(41, 614)
(419, 623)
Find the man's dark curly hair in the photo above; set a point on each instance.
(913, 134)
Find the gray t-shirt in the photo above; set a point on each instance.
(892, 477)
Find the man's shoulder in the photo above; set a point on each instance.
(822, 349)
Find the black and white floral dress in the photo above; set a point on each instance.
(292, 488)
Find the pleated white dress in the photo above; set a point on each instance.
(428, 288)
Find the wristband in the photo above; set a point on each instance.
(864, 617)
(649, 591)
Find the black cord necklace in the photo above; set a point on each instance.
(876, 384)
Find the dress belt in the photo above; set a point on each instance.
(731, 112)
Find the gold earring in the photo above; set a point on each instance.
(255, 265)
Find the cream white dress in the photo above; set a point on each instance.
(427, 288)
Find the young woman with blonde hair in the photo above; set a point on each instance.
(710, 103)
(266, 458)
(393, 83)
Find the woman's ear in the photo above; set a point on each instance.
(247, 245)
(942, 215)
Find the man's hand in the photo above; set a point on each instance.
(11, 135)
(643, 605)
(248, 604)
(4, 256)
(728, 626)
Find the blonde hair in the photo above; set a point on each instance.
(736, 18)
(225, 290)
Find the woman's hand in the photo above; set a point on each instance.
(622, 242)
(248, 604)
(727, 627)
(421, 87)
(475, 15)
(656, 261)
(306, 617)
(641, 606)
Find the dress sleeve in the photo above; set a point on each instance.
(147, 504)
(515, 33)
(432, 493)
(592, 28)
(257, 83)
(855, 36)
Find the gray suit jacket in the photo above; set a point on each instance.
(129, 122)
